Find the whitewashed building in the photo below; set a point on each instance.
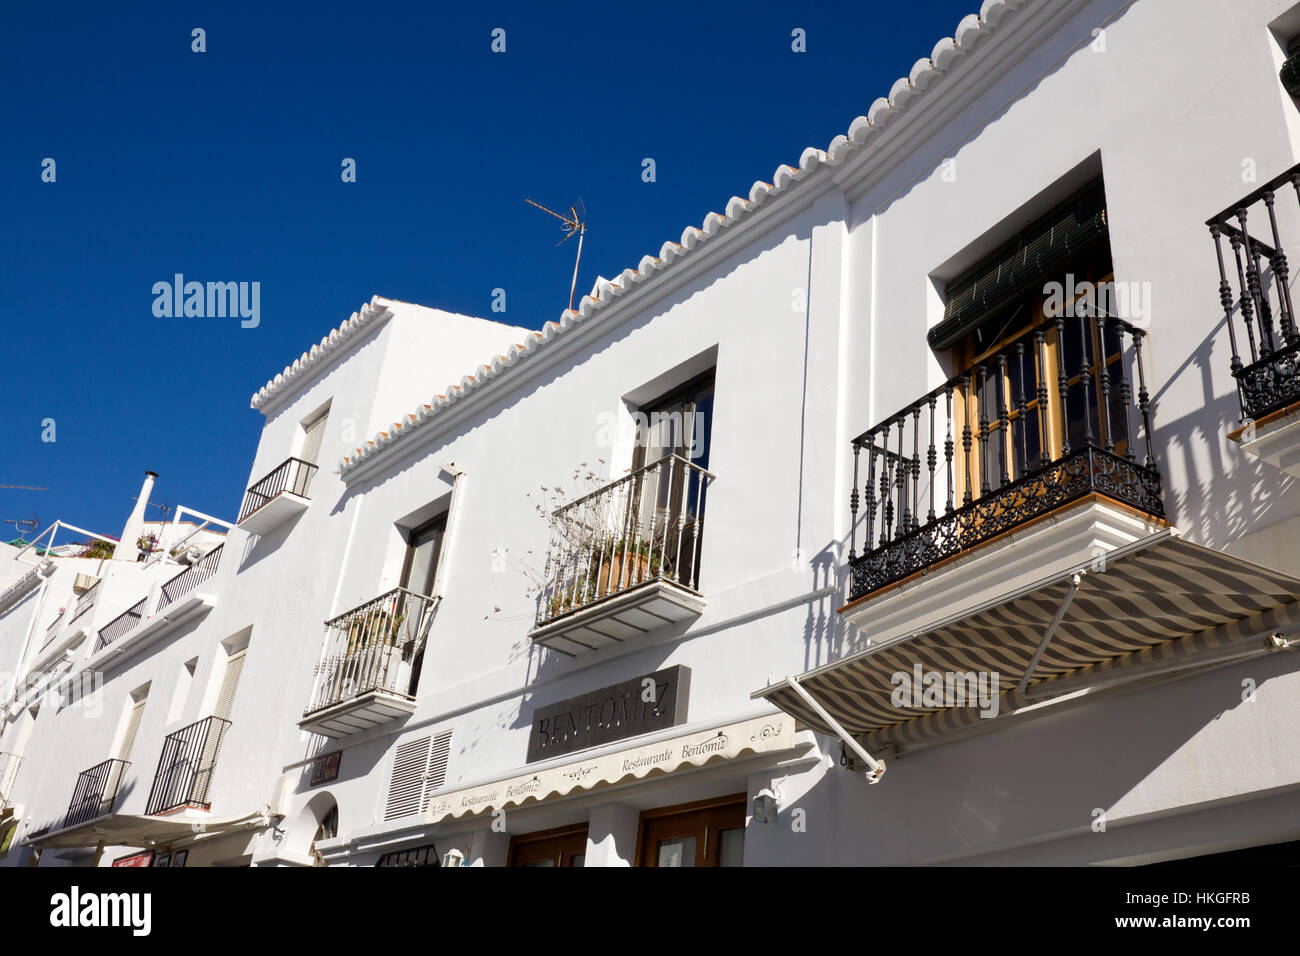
(933, 503)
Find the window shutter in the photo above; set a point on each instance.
(419, 767)
(311, 443)
(439, 754)
(132, 726)
(229, 684)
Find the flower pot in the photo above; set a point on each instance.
(619, 571)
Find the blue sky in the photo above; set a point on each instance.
(225, 166)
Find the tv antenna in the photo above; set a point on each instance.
(21, 525)
(165, 508)
(574, 223)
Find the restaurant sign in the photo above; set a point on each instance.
(653, 702)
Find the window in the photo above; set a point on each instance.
(672, 446)
(313, 433)
(563, 846)
(131, 726)
(327, 829)
(423, 547)
(420, 573)
(708, 833)
(426, 855)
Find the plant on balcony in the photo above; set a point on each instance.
(372, 630)
(97, 549)
(147, 544)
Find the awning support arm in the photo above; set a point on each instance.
(876, 767)
(1075, 581)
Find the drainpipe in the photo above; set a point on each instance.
(126, 549)
(46, 570)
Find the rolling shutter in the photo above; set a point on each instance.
(1039, 254)
(419, 768)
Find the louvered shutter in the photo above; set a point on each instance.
(229, 684)
(419, 768)
(311, 443)
(132, 726)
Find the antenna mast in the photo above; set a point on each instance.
(573, 223)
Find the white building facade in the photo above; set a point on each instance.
(933, 503)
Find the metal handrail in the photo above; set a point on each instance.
(276, 483)
(186, 765)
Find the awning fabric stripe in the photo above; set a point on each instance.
(1171, 599)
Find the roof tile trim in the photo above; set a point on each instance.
(307, 364)
(905, 92)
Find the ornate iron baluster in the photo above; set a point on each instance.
(981, 386)
(931, 459)
(966, 437)
(1021, 410)
(1004, 417)
(916, 467)
(1280, 274)
(1085, 377)
(1103, 383)
(1247, 304)
(1254, 285)
(871, 493)
(1062, 385)
(1144, 400)
(853, 505)
(904, 516)
(948, 446)
(1040, 357)
(1225, 299)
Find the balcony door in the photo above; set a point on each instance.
(1007, 363)
(419, 573)
(674, 437)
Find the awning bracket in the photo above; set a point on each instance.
(876, 768)
(1075, 581)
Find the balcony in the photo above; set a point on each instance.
(1259, 310)
(185, 768)
(9, 764)
(279, 496)
(179, 599)
(120, 626)
(95, 793)
(624, 559)
(370, 668)
(86, 601)
(1044, 431)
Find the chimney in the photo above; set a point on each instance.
(126, 549)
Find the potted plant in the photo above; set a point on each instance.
(147, 544)
(620, 563)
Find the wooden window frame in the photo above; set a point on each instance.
(563, 839)
(714, 813)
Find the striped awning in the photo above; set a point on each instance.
(1164, 601)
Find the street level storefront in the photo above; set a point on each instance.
(759, 736)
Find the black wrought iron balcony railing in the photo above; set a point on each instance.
(96, 792)
(86, 601)
(185, 582)
(185, 768)
(9, 764)
(646, 526)
(1261, 303)
(373, 647)
(293, 476)
(121, 625)
(1046, 419)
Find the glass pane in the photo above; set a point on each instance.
(731, 847)
(424, 554)
(578, 859)
(679, 852)
(549, 861)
